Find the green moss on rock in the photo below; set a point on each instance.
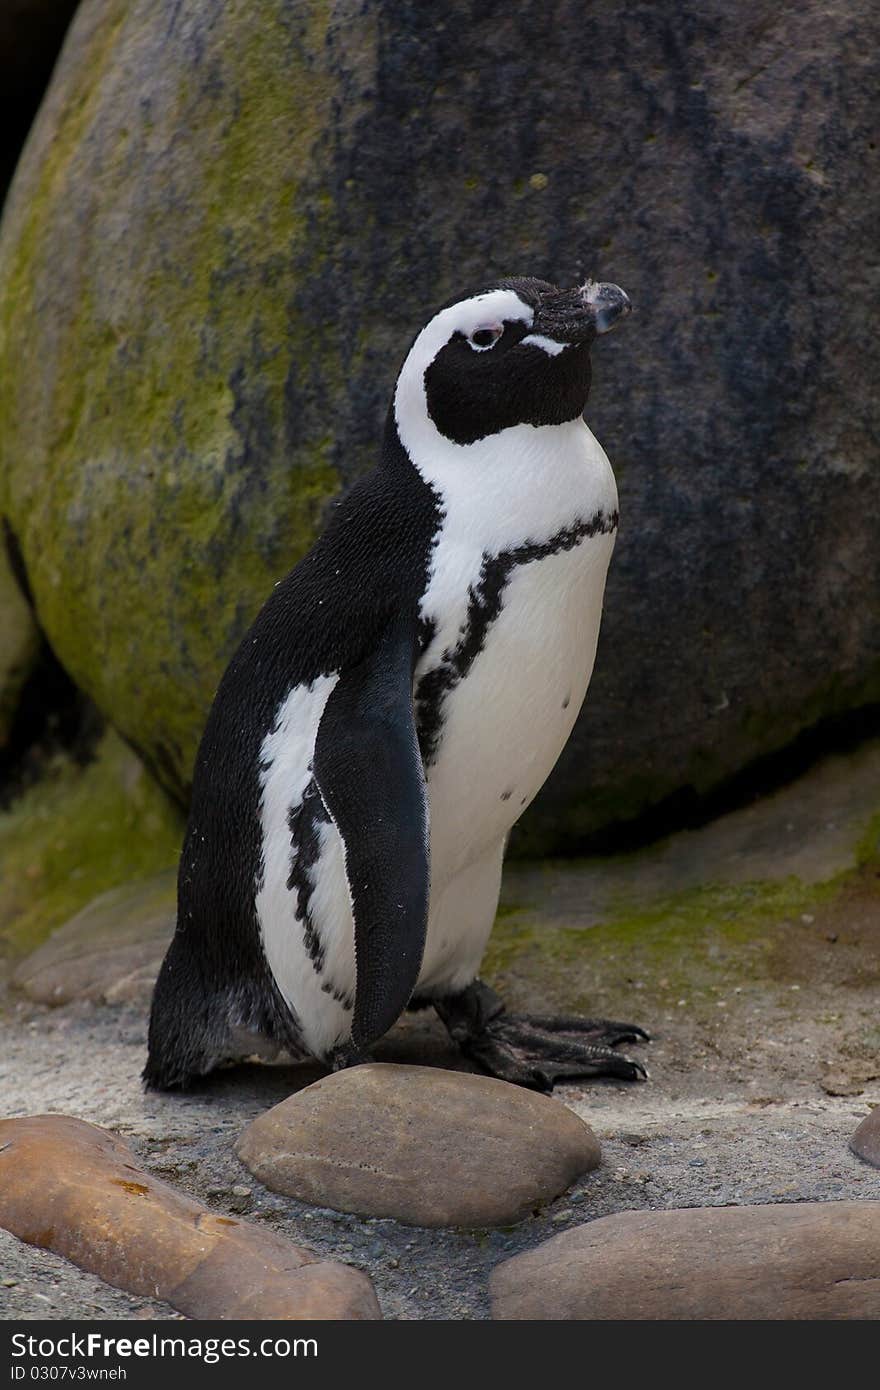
(683, 942)
(79, 832)
(683, 917)
(868, 848)
(150, 459)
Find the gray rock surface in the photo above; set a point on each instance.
(866, 1140)
(202, 335)
(108, 953)
(819, 826)
(422, 1145)
(811, 1260)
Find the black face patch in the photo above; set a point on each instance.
(471, 394)
(474, 394)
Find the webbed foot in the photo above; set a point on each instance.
(347, 1056)
(537, 1051)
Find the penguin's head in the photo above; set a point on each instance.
(518, 353)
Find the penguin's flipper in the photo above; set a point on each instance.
(369, 772)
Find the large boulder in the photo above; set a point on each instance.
(229, 220)
(76, 833)
(110, 951)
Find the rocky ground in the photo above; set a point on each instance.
(749, 948)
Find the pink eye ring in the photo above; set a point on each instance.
(485, 336)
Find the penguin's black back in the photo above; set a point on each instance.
(325, 616)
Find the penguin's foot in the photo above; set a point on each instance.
(347, 1056)
(535, 1051)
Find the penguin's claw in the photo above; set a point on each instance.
(347, 1056)
(538, 1051)
(516, 1049)
(602, 1031)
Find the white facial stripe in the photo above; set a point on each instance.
(495, 306)
(546, 344)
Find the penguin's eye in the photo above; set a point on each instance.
(485, 337)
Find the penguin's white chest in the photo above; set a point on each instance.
(504, 723)
(514, 604)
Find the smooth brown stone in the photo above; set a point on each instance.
(799, 1261)
(865, 1143)
(110, 952)
(422, 1145)
(73, 1188)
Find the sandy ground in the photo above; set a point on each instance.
(766, 1057)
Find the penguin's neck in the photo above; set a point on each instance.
(525, 483)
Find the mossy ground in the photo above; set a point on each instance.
(686, 942)
(78, 832)
(768, 987)
(750, 903)
(741, 1106)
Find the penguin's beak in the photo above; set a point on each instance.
(608, 303)
(578, 315)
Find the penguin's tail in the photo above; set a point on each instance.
(189, 1033)
(199, 1023)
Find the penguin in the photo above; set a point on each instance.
(397, 704)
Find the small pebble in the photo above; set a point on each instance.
(239, 1191)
